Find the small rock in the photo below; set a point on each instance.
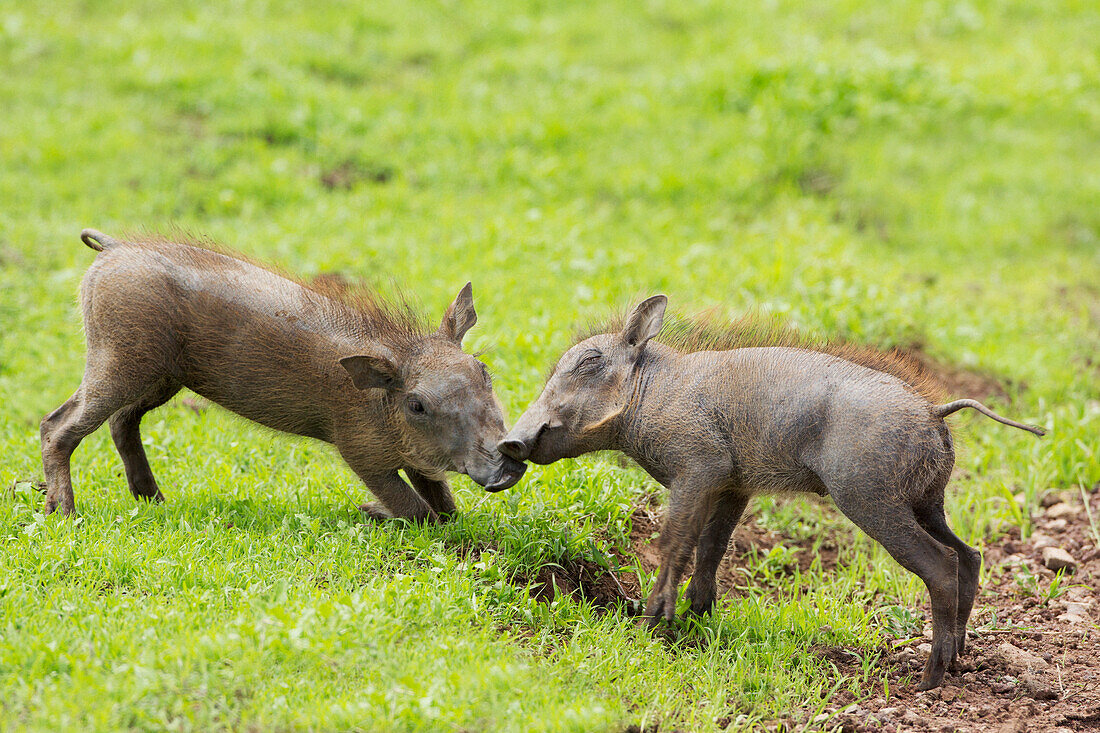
(1047, 657)
(1073, 618)
(1062, 510)
(821, 718)
(1074, 608)
(925, 649)
(1080, 594)
(1015, 659)
(1057, 525)
(1040, 541)
(1038, 686)
(885, 713)
(1056, 559)
(911, 717)
(853, 709)
(1052, 497)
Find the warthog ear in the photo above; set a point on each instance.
(373, 369)
(644, 322)
(460, 317)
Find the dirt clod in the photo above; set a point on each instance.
(1016, 725)
(1038, 686)
(1055, 558)
(1062, 510)
(1015, 659)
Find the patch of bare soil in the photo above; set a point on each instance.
(348, 174)
(959, 382)
(606, 589)
(1033, 657)
(1032, 661)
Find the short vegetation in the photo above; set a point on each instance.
(918, 175)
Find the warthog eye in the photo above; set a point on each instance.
(588, 364)
(415, 406)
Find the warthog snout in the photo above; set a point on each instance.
(514, 448)
(522, 441)
(507, 474)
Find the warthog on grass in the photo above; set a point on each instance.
(717, 426)
(348, 368)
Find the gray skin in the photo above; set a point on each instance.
(160, 316)
(716, 427)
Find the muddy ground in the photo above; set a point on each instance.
(1033, 660)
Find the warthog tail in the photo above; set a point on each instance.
(945, 410)
(97, 240)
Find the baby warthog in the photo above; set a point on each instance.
(347, 368)
(717, 426)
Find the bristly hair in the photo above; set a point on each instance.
(709, 331)
(397, 319)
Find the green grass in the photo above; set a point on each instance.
(891, 173)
